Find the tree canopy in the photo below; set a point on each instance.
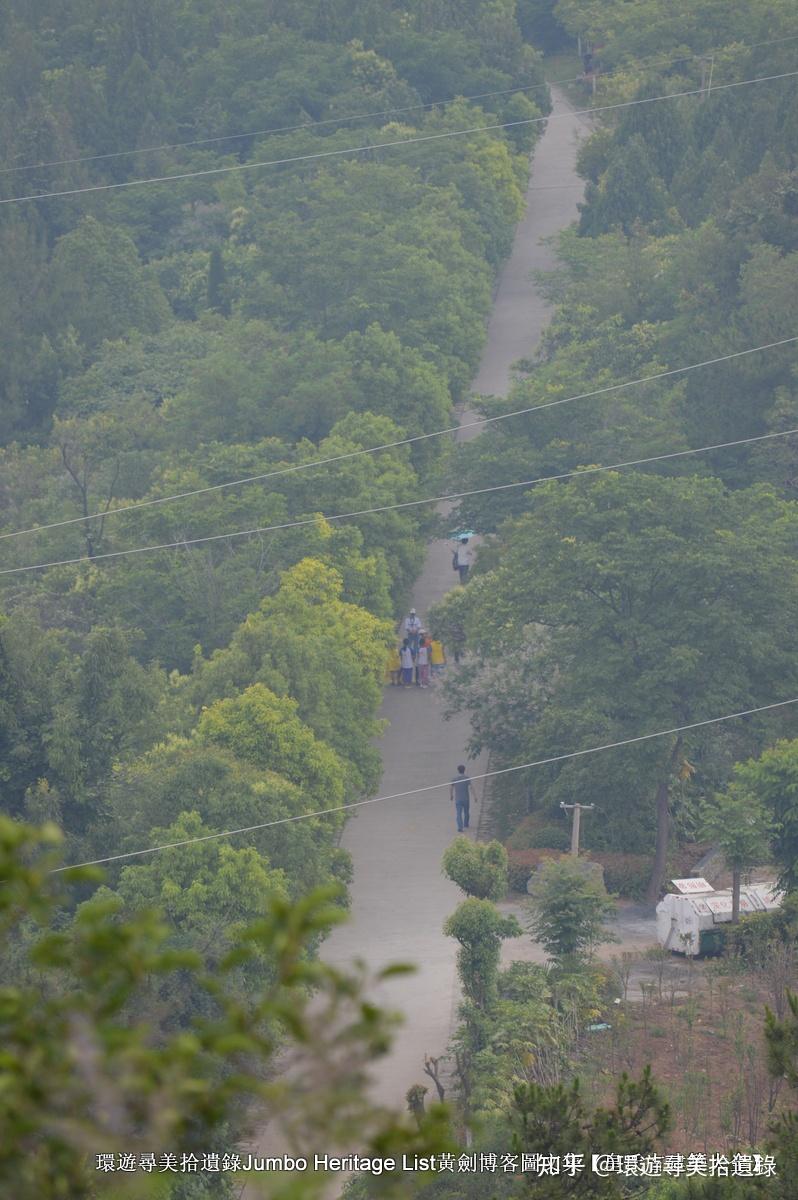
(636, 603)
(166, 339)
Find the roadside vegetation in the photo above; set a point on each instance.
(627, 602)
(173, 337)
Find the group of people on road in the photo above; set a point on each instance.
(418, 658)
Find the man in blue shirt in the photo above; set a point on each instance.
(460, 792)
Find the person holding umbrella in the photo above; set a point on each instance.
(463, 556)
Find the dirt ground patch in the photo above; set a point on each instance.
(701, 1029)
(698, 1023)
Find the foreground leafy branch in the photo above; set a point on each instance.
(81, 1075)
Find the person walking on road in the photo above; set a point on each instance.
(406, 659)
(460, 792)
(464, 557)
(437, 656)
(422, 662)
(412, 629)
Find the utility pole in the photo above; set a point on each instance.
(578, 809)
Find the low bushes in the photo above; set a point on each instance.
(538, 838)
(624, 874)
(539, 831)
(521, 864)
(517, 876)
(551, 837)
(754, 939)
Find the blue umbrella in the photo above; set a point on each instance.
(455, 535)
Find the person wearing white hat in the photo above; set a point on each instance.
(413, 630)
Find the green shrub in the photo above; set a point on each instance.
(521, 864)
(624, 874)
(518, 876)
(523, 981)
(569, 910)
(539, 832)
(551, 837)
(478, 868)
(525, 833)
(751, 941)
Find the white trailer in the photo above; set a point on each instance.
(688, 924)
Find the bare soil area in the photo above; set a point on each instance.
(700, 1027)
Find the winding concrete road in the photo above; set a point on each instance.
(399, 897)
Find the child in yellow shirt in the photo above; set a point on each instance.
(393, 668)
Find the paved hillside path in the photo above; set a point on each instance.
(399, 897)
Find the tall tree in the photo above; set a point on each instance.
(264, 729)
(661, 127)
(216, 293)
(739, 824)
(630, 193)
(209, 893)
(156, 789)
(100, 286)
(305, 641)
(480, 928)
(772, 780)
(569, 909)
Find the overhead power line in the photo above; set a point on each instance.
(430, 787)
(383, 508)
(419, 437)
(385, 112)
(310, 125)
(428, 137)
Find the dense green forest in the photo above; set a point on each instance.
(169, 338)
(211, 273)
(173, 337)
